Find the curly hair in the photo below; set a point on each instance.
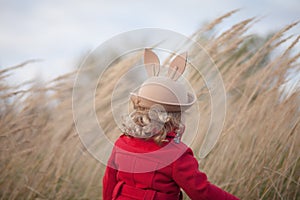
(151, 123)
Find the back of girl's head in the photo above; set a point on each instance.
(152, 123)
(159, 101)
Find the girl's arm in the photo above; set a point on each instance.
(194, 182)
(110, 179)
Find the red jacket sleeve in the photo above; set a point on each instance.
(109, 179)
(194, 182)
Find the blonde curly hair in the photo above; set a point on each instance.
(154, 123)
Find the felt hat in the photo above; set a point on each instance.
(163, 90)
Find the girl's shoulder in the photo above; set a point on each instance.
(129, 141)
(137, 145)
(170, 150)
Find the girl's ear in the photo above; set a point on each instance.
(177, 66)
(151, 62)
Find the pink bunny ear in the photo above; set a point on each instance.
(151, 62)
(177, 66)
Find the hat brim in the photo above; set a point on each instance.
(172, 107)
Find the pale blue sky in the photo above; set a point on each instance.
(59, 32)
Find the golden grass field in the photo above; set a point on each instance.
(256, 157)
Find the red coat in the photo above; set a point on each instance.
(141, 169)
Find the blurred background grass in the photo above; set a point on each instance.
(256, 157)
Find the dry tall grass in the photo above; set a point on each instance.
(256, 157)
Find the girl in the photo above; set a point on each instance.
(149, 161)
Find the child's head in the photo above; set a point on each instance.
(159, 102)
(152, 123)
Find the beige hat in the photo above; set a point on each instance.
(166, 91)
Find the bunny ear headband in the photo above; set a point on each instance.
(163, 90)
(176, 68)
